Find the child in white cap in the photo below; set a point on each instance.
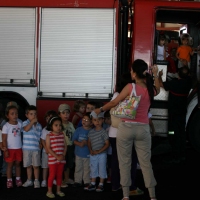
(98, 142)
(68, 129)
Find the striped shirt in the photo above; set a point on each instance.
(57, 145)
(31, 139)
(97, 139)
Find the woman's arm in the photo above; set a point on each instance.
(156, 78)
(122, 95)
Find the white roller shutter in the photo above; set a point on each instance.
(17, 44)
(77, 51)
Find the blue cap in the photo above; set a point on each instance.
(94, 115)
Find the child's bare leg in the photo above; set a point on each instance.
(102, 180)
(29, 172)
(44, 173)
(9, 170)
(36, 172)
(17, 169)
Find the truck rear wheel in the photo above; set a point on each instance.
(194, 130)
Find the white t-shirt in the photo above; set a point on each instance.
(14, 140)
(113, 131)
(44, 135)
(160, 52)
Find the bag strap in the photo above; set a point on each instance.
(133, 90)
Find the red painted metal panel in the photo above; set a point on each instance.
(144, 24)
(59, 3)
(43, 105)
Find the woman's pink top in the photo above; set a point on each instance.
(142, 110)
(57, 145)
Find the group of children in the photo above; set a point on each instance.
(84, 140)
(177, 56)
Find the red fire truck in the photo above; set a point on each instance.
(58, 51)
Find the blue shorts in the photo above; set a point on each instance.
(98, 165)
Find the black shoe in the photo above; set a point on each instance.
(100, 188)
(76, 185)
(91, 187)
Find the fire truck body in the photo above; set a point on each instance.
(58, 51)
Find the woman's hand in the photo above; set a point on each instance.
(160, 73)
(155, 70)
(97, 110)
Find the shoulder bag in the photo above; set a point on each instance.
(128, 107)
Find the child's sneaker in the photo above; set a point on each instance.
(91, 187)
(9, 184)
(70, 182)
(109, 179)
(100, 188)
(18, 183)
(44, 183)
(36, 184)
(64, 185)
(28, 183)
(86, 186)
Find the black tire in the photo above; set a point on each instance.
(194, 130)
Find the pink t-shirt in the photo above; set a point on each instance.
(142, 111)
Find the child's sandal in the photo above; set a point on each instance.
(50, 195)
(61, 194)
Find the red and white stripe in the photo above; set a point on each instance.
(57, 145)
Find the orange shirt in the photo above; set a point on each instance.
(184, 52)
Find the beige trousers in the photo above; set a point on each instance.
(82, 170)
(139, 135)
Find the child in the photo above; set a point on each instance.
(98, 143)
(12, 145)
(44, 166)
(32, 131)
(107, 121)
(56, 147)
(80, 138)
(79, 109)
(68, 129)
(161, 53)
(3, 122)
(91, 105)
(184, 52)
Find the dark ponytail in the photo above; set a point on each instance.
(140, 68)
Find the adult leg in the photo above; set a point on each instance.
(115, 176)
(142, 144)
(124, 151)
(133, 169)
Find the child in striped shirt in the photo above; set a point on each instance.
(32, 131)
(98, 143)
(56, 147)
